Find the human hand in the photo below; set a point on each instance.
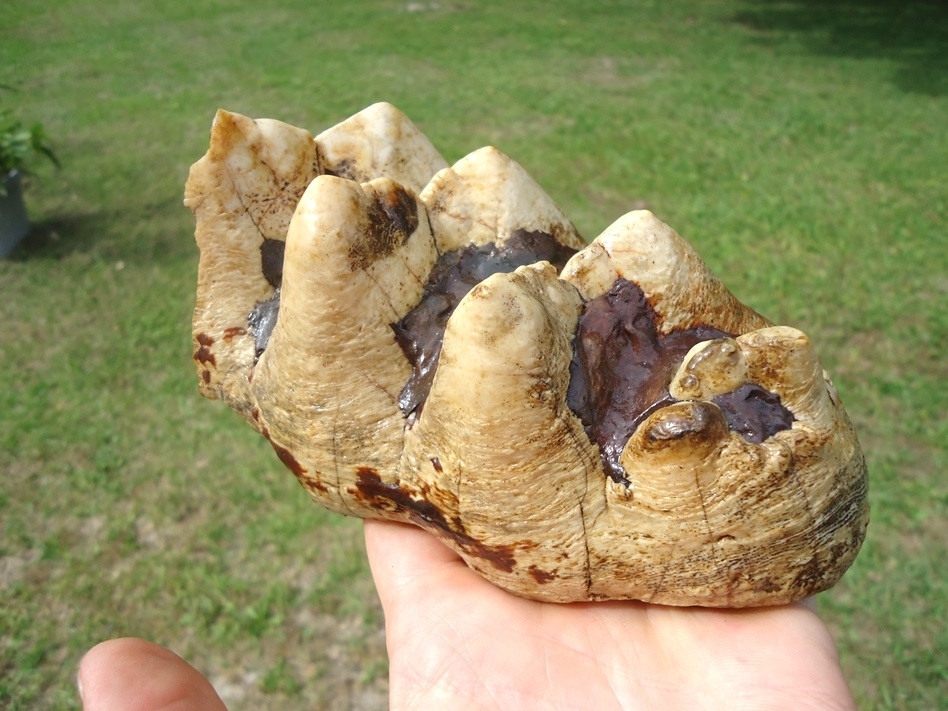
(457, 642)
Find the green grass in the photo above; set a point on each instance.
(800, 146)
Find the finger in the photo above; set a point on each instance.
(810, 604)
(134, 675)
(402, 546)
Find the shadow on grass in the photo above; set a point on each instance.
(146, 237)
(58, 237)
(911, 33)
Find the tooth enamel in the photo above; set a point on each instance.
(486, 197)
(379, 141)
(673, 452)
(710, 368)
(328, 382)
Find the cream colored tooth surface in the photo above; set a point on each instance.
(379, 141)
(242, 192)
(327, 384)
(438, 345)
(710, 368)
(679, 285)
(486, 197)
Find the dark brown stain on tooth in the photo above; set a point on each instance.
(392, 218)
(343, 169)
(314, 485)
(545, 247)
(203, 354)
(285, 455)
(754, 413)
(371, 488)
(541, 576)
(421, 331)
(621, 370)
(396, 499)
(234, 331)
(289, 461)
(271, 261)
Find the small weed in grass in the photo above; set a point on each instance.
(281, 680)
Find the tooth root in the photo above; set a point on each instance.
(674, 452)
(782, 360)
(487, 197)
(328, 382)
(502, 431)
(379, 141)
(710, 368)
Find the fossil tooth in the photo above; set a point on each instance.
(488, 197)
(397, 329)
(497, 421)
(679, 286)
(327, 384)
(243, 193)
(379, 141)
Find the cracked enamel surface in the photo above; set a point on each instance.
(495, 462)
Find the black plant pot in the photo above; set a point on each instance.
(14, 225)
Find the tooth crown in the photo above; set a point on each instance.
(738, 480)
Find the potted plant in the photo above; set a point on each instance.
(19, 146)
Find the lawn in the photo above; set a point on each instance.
(800, 146)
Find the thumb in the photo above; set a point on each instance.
(401, 554)
(134, 675)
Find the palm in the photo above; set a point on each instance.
(456, 641)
